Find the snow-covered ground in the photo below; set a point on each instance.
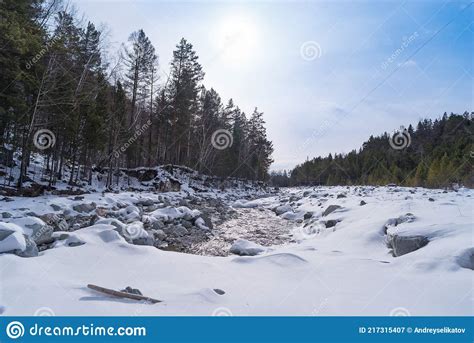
(351, 251)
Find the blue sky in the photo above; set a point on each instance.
(335, 99)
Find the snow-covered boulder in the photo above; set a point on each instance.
(13, 240)
(243, 247)
(283, 209)
(35, 228)
(169, 213)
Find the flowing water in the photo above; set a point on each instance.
(260, 226)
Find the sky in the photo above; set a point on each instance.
(326, 74)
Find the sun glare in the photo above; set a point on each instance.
(236, 39)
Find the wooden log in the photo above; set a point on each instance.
(122, 294)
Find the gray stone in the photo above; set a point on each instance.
(330, 209)
(85, 208)
(362, 203)
(402, 245)
(308, 215)
(6, 215)
(330, 223)
(177, 230)
(55, 221)
(55, 207)
(157, 225)
(339, 196)
(187, 224)
(131, 290)
(159, 234)
(144, 241)
(219, 291)
(30, 251)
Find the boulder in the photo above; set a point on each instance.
(55, 221)
(283, 209)
(35, 228)
(402, 245)
(330, 223)
(85, 207)
(243, 247)
(330, 209)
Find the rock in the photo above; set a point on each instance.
(330, 209)
(6, 215)
(207, 220)
(157, 225)
(402, 245)
(35, 228)
(176, 230)
(330, 223)
(339, 196)
(131, 290)
(55, 207)
(431, 199)
(219, 291)
(187, 224)
(159, 234)
(283, 209)
(31, 249)
(55, 221)
(362, 203)
(243, 247)
(308, 215)
(75, 244)
(466, 259)
(85, 208)
(407, 218)
(145, 202)
(144, 241)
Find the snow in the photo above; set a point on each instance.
(346, 269)
(14, 241)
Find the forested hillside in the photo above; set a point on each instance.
(66, 97)
(434, 154)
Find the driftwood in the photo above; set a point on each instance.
(122, 294)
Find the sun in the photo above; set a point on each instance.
(236, 38)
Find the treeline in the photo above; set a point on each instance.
(112, 111)
(440, 153)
